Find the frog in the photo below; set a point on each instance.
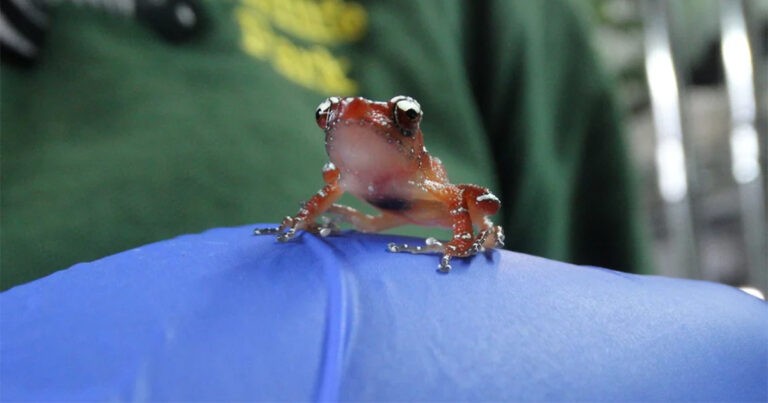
(377, 153)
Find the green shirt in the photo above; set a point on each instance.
(117, 138)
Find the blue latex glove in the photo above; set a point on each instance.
(228, 316)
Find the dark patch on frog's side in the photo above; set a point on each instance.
(390, 203)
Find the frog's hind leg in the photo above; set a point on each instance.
(460, 222)
(481, 204)
(365, 222)
(461, 225)
(368, 223)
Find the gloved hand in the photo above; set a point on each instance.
(228, 316)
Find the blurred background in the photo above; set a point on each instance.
(691, 79)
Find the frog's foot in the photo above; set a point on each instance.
(492, 237)
(290, 225)
(285, 232)
(431, 245)
(327, 227)
(498, 235)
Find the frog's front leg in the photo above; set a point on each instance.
(315, 206)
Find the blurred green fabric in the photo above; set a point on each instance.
(117, 138)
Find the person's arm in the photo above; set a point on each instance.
(556, 135)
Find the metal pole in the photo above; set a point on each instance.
(670, 151)
(744, 142)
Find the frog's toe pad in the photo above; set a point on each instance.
(445, 264)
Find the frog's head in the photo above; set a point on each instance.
(381, 132)
(401, 114)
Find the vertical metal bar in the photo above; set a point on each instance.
(670, 151)
(744, 143)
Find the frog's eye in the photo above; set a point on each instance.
(407, 114)
(321, 113)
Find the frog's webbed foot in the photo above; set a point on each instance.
(431, 245)
(460, 246)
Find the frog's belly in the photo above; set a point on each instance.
(431, 213)
(421, 209)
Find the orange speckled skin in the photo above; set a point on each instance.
(377, 153)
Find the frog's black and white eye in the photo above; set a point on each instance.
(407, 114)
(321, 113)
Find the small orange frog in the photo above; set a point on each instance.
(377, 154)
